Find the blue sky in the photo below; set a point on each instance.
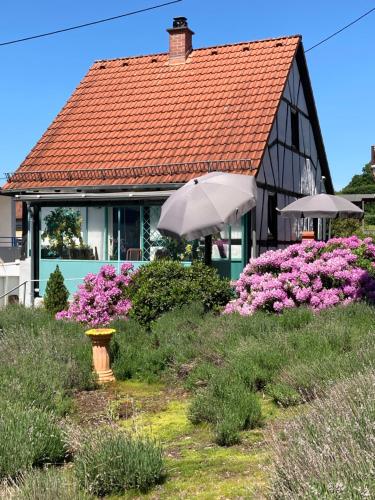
(37, 77)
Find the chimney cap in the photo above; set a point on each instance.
(180, 22)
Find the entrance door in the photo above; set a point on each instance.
(127, 233)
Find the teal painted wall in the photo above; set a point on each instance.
(75, 270)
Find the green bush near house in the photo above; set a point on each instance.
(346, 227)
(28, 437)
(56, 295)
(111, 462)
(164, 285)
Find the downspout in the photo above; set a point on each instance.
(30, 252)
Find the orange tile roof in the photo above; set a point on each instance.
(136, 120)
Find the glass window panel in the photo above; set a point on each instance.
(156, 239)
(236, 240)
(63, 233)
(220, 244)
(130, 234)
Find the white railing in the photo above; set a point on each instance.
(6, 294)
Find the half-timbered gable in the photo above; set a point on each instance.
(294, 162)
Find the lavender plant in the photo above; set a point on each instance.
(329, 452)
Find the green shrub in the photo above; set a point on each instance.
(163, 285)
(227, 403)
(28, 437)
(56, 295)
(208, 287)
(345, 227)
(110, 462)
(50, 484)
(328, 452)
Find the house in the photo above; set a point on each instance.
(137, 128)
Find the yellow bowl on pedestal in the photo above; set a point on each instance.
(100, 331)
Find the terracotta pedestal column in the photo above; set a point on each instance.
(308, 235)
(100, 338)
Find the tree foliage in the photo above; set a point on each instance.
(363, 183)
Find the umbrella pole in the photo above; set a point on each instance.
(253, 234)
(208, 250)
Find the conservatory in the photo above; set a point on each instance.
(81, 238)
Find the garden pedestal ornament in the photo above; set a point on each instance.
(308, 235)
(100, 338)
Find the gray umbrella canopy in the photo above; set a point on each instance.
(323, 205)
(204, 205)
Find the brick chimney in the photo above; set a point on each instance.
(180, 40)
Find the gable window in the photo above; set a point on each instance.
(295, 128)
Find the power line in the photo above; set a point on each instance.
(92, 23)
(340, 30)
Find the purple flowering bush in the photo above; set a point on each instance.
(315, 273)
(101, 298)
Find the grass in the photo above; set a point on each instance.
(197, 467)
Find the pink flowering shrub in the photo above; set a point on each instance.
(101, 298)
(315, 273)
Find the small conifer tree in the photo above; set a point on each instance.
(56, 294)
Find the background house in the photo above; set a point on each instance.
(138, 128)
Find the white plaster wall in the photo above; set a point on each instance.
(7, 219)
(25, 275)
(9, 279)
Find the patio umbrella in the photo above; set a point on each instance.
(323, 205)
(204, 205)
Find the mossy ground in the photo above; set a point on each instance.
(196, 467)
